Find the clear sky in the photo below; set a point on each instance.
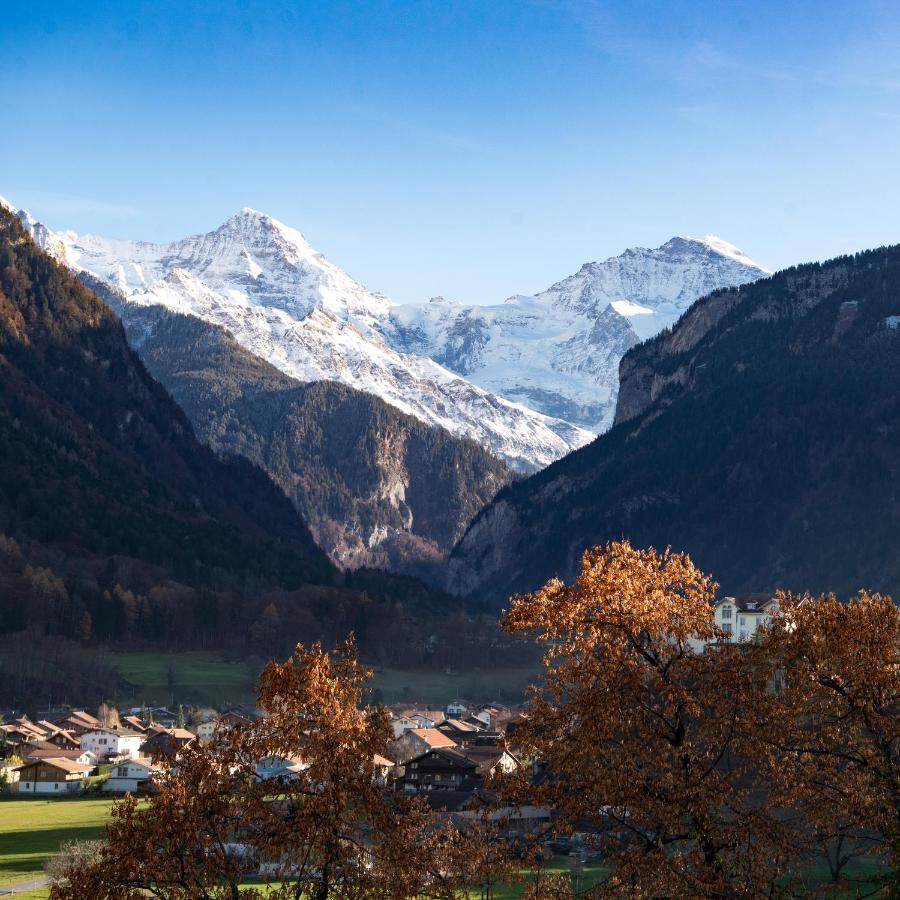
(470, 149)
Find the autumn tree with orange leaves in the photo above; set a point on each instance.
(325, 827)
(834, 722)
(644, 742)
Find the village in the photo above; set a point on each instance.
(445, 755)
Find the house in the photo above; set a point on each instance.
(743, 618)
(426, 719)
(206, 730)
(78, 722)
(161, 715)
(52, 776)
(383, 768)
(488, 715)
(112, 742)
(47, 750)
(439, 769)
(456, 709)
(21, 731)
(402, 724)
(460, 732)
(237, 715)
(60, 737)
(491, 760)
(417, 741)
(281, 768)
(158, 741)
(135, 723)
(131, 776)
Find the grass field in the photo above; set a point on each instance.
(206, 678)
(439, 688)
(31, 831)
(190, 678)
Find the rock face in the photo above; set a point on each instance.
(377, 487)
(559, 351)
(761, 434)
(280, 299)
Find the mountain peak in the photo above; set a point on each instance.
(723, 248)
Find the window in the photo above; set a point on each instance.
(726, 612)
(55, 785)
(727, 628)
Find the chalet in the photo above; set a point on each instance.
(47, 750)
(159, 741)
(161, 715)
(52, 776)
(21, 731)
(60, 737)
(417, 741)
(237, 715)
(131, 776)
(206, 730)
(491, 760)
(78, 722)
(460, 732)
(439, 769)
(135, 723)
(109, 743)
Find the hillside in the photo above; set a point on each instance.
(761, 434)
(118, 526)
(97, 457)
(377, 487)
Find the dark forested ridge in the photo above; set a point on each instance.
(117, 525)
(97, 456)
(377, 487)
(761, 434)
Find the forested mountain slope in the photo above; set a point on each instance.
(377, 487)
(118, 525)
(761, 434)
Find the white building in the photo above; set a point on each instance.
(743, 618)
(402, 724)
(112, 742)
(130, 776)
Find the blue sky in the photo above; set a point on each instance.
(471, 149)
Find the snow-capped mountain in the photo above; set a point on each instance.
(283, 301)
(558, 351)
(530, 379)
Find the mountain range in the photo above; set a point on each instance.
(761, 434)
(530, 379)
(558, 351)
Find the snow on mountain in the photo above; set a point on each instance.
(530, 379)
(282, 300)
(558, 351)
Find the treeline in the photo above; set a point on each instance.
(123, 603)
